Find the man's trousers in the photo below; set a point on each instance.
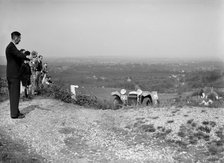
(14, 95)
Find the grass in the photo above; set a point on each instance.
(191, 135)
(12, 151)
(101, 98)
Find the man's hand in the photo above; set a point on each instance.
(28, 57)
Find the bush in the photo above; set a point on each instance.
(3, 89)
(56, 91)
(59, 91)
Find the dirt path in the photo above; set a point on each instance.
(60, 132)
(63, 132)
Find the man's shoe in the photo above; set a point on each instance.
(26, 99)
(30, 97)
(20, 116)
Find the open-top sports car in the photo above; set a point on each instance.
(131, 98)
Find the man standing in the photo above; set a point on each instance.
(14, 59)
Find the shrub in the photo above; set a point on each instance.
(204, 129)
(148, 128)
(56, 91)
(59, 91)
(3, 89)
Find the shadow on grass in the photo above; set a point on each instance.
(16, 152)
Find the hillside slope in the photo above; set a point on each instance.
(62, 132)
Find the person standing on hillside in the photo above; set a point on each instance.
(44, 75)
(14, 59)
(25, 75)
(39, 68)
(33, 62)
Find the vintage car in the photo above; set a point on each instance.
(133, 98)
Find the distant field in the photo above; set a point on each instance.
(2, 70)
(168, 79)
(164, 78)
(2, 60)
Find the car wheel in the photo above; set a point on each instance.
(117, 104)
(146, 101)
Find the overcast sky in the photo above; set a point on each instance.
(142, 28)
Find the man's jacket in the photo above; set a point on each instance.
(14, 60)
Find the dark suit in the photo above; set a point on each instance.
(14, 59)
